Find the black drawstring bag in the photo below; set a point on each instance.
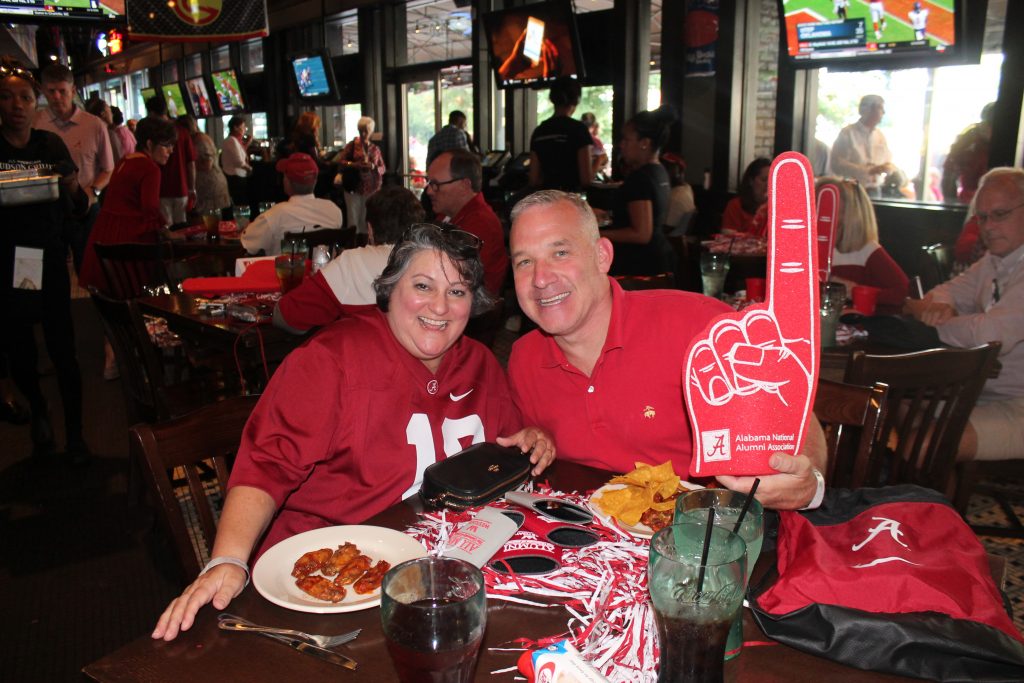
(892, 580)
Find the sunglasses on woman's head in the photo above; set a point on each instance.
(466, 243)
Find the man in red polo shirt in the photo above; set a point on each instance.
(454, 184)
(604, 372)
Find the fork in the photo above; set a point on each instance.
(232, 622)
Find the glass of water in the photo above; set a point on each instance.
(713, 269)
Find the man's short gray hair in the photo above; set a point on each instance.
(365, 123)
(1001, 174)
(869, 101)
(588, 221)
(429, 237)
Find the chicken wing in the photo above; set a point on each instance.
(372, 578)
(321, 588)
(341, 557)
(310, 562)
(353, 570)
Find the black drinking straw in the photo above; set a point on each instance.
(746, 506)
(707, 547)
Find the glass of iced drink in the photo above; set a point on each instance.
(693, 506)
(695, 602)
(434, 612)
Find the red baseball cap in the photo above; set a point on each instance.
(299, 168)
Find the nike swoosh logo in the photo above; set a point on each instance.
(460, 397)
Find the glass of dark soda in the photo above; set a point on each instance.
(434, 612)
(694, 602)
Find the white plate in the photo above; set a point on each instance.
(272, 575)
(638, 530)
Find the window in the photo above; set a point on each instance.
(251, 53)
(925, 111)
(220, 58)
(257, 125)
(194, 65)
(343, 34)
(437, 30)
(169, 71)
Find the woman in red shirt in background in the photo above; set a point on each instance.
(131, 205)
(857, 257)
(753, 194)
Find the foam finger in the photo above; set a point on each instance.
(792, 255)
(828, 216)
(708, 375)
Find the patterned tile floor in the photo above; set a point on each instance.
(983, 510)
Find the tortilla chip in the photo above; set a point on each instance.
(641, 486)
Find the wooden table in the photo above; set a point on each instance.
(224, 334)
(205, 653)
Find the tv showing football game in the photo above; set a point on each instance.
(836, 33)
(146, 94)
(62, 10)
(314, 75)
(228, 98)
(199, 97)
(175, 102)
(534, 44)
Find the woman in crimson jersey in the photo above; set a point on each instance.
(351, 419)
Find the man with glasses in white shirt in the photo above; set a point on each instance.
(986, 303)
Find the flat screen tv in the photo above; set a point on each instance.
(228, 94)
(147, 94)
(175, 101)
(62, 10)
(314, 75)
(874, 35)
(199, 97)
(534, 44)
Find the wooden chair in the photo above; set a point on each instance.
(935, 264)
(346, 237)
(931, 395)
(186, 463)
(851, 417)
(133, 268)
(636, 282)
(149, 396)
(202, 259)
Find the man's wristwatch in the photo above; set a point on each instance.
(819, 493)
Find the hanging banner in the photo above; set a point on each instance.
(182, 21)
(701, 35)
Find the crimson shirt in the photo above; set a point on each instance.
(350, 420)
(631, 408)
(174, 174)
(478, 218)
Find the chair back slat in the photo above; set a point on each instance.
(931, 396)
(137, 357)
(201, 444)
(346, 237)
(851, 417)
(131, 268)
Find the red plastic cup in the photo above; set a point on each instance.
(755, 288)
(865, 298)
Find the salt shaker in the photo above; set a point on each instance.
(321, 255)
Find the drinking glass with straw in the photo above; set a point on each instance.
(696, 576)
(738, 512)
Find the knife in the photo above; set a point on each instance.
(319, 652)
